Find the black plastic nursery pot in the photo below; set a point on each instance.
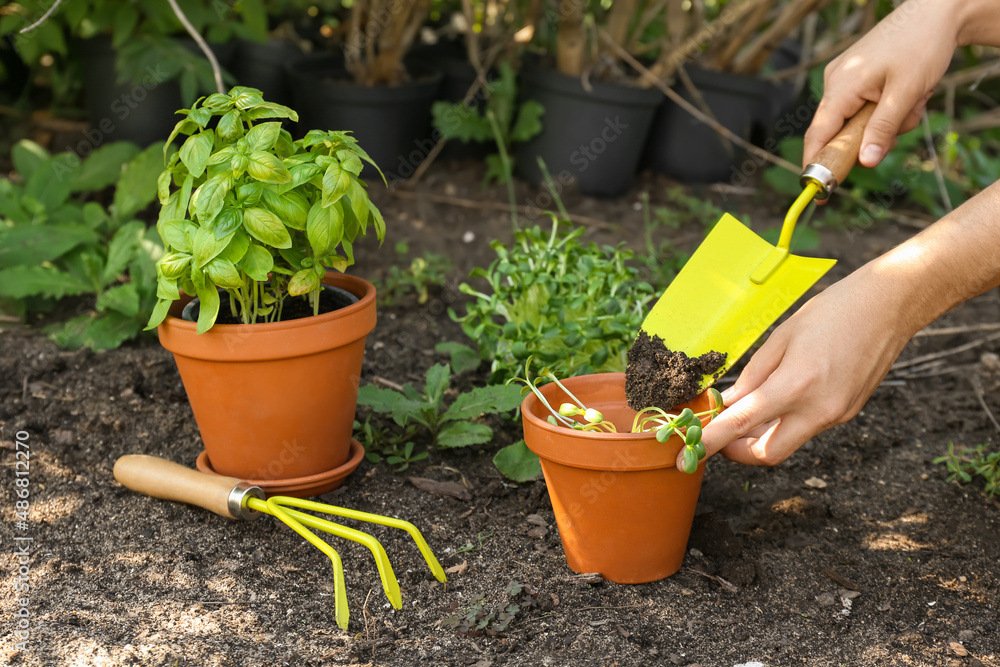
(261, 65)
(449, 58)
(140, 111)
(591, 136)
(683, 147)
(391, 122)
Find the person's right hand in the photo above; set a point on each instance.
(897, 64)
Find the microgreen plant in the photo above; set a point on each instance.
(575, 415)
(246, 209)
(575, 306)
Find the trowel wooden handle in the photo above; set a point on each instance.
(835, 160)
(164, 479)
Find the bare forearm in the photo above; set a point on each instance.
(951, 261)
(980, 22)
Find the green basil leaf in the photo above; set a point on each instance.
(246, 98)
(224, 273)
(186, 126)
(163, 187)
(359, 203)
(174, 264)
(266, 228)
(379, 222)
(218, 102)
(209, 307)
(291, 207)
(200, 116)
(223, 155)
(257, 262)
(301, 173)
(196, 151)
(206, 246)
(159, 313)
(237, 247)
(271, 110)
(227, 222)
(349, 161)
(173, 234)
(324, 228)
(230, 126)
(166, 288)
(211, 195)
(303, 282)
(336, 183)
(263, 137)
(267, 168)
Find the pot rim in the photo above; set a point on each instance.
(365, 297)
(275, 340)
(530, 401)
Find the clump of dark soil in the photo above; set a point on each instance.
(656, 376)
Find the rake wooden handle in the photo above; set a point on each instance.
(841, 154)
(164, 479)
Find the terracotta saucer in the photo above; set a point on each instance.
(300, 487)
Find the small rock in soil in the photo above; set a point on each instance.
(957, 648)
(826, 599)
(659, 377)
(966, 635)
(453, 489)
(815, 483)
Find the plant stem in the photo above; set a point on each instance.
(202, 44)
(550, 184)
(505, 161)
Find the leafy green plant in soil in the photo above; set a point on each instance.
(423, 273)
(56, 242)
(968, 462)
(246, 209)
(481, 617)
(425, 413)
(574, 306)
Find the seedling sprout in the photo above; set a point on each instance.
(687, 423)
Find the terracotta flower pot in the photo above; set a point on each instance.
(622, 507)
(276, 401)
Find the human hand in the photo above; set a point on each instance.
(897, 64)
(816, 370)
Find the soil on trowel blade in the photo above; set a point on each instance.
(659, 377)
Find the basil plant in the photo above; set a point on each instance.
(247, 209)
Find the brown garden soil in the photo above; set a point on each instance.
(856, 551)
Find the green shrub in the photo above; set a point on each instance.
(576, 307)
(54, 243)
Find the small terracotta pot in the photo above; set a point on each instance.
(622, 506)
(275, 401)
